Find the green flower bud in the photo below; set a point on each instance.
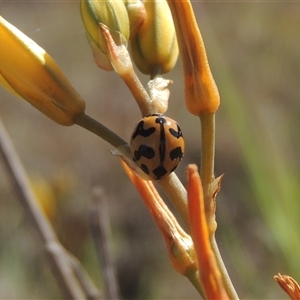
(111, 13)
(154, 48)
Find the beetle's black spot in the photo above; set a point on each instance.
(176, 153)
(159, 172)
(145, 169)
(144, 151)
(177, 134)
(141, 131)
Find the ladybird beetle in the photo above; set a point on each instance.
(157, 145)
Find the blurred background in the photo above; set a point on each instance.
(253, 49)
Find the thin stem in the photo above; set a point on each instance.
(208, 178)
(87, 285)
(121, 61)
(138, 91)
(207, 149)
(177, 194)
(99, 129)
(121, 147)
(193, 277)
(63, 271)
(100, 226)
(231, 292)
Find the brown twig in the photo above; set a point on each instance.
(83, 277)
(100, 226)
(57, 255)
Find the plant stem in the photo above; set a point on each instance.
(122, 148)
(210, 188)
(207, 150)
(231, 292)
(138, 91)
(99, 129)
(177, 194)
(56, 253)
(101, 232)
(121, 61)
(208, 178)
(84, 278)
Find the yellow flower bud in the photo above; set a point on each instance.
(6, 85)
(154, 48)
(111, 13)
(28, 70)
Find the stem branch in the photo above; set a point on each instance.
(99, 129)
(177, 194)
(58, 256)
(209, 191)
(101, 232)
(231, 292)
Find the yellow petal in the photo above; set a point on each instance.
(7, 86)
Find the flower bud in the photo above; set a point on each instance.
(201, 93)
(28, 70)
(154, 48)
(7, 86)
(137, 15)
(111, 13)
